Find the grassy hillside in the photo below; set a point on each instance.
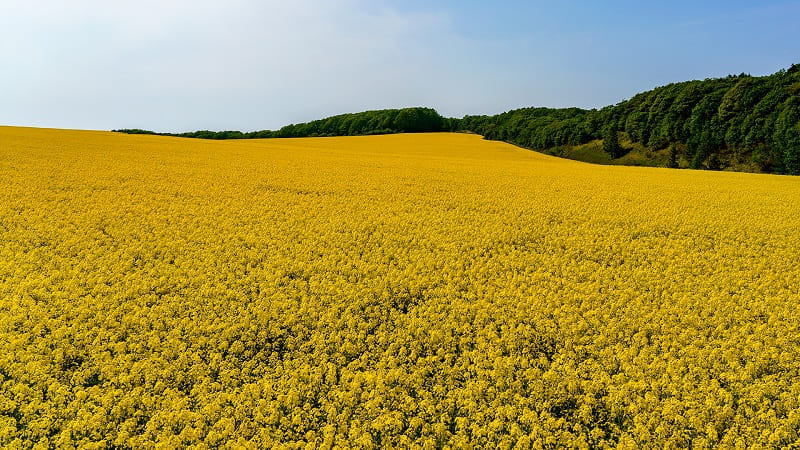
(411, 290)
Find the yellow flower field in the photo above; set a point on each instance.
(421, 291)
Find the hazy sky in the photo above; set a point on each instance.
(179, 65)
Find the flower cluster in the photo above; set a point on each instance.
(418, 290)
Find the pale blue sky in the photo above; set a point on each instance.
(246, 64)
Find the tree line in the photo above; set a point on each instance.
(385, 121)
(703, 124)
(708, 123)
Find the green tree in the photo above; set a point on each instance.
(673, 157)
(611, 143)
(791, 154)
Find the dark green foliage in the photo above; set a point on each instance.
(611, 143)
(200, 134)
(134, 131)
(672, 163)
(791, 158)
(719, 121)
(406, 120)
(536, 128)
(385, 121)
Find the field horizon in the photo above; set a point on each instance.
(736, 123)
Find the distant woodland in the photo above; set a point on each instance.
(385, 121)
(739, 122)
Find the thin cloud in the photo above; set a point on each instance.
(207, 64)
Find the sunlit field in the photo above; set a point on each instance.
(414, 290)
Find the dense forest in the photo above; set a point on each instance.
(739, 122)
(736, 121)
